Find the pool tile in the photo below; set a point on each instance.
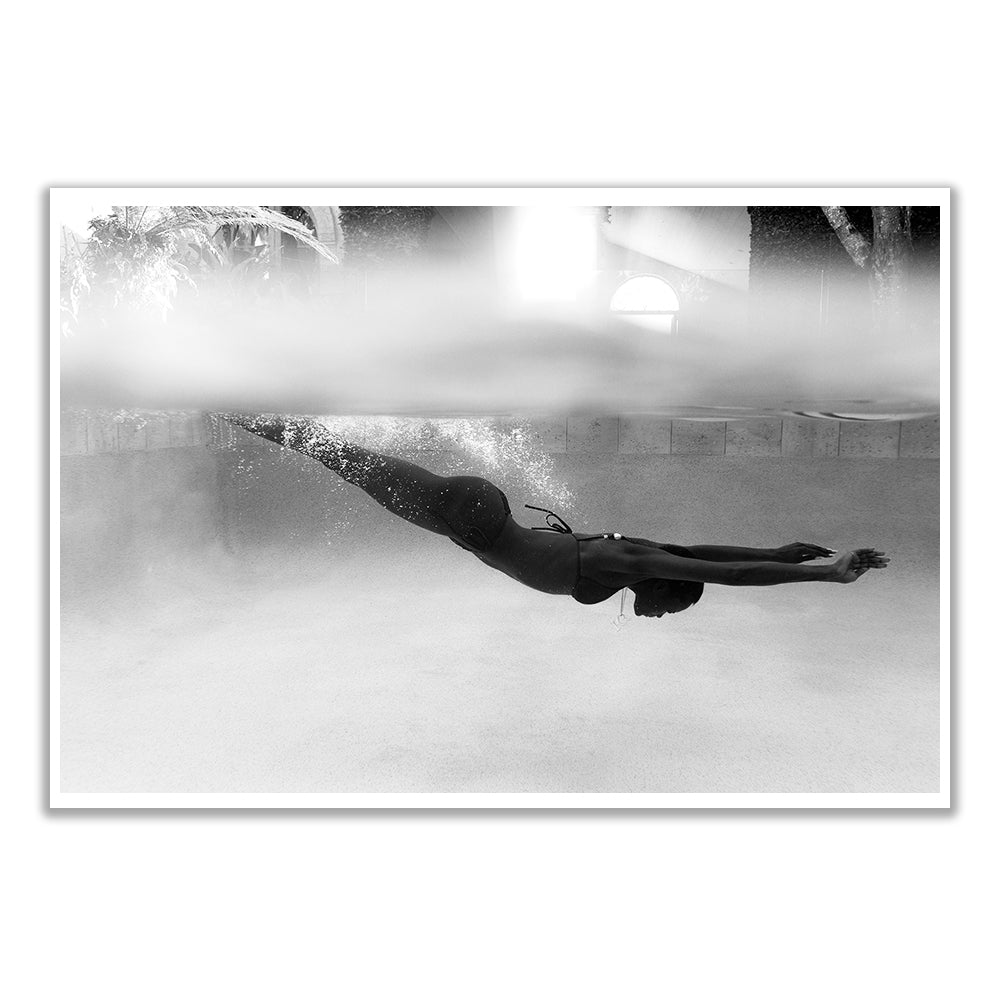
(698, 437)
(803, 438)
(920, 438)
(760, 438)
(158, 431)
(869, 439)
(642, 434)
(592, 434)
(102, 434)
(544, 432)
(549, 432)
(180, 430)
(72, 432)
(132, 435)
(224, 434)
(200, 426)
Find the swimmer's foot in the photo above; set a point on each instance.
(303, 434)
(271, 426)
(244, 420)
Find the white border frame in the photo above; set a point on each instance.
(62, 199)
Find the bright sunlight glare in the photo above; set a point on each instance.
(555, 253)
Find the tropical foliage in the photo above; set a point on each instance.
(139, 257)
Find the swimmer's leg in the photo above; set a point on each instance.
(404, 489)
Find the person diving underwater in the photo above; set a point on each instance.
(474, 514)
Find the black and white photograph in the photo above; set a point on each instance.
(535, 497)
(500, 503)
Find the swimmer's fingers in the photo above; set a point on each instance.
(799, 552)
(817, 551)
(872, 558)
(873, 555)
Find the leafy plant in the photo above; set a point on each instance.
(139, 256)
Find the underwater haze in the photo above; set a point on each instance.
(236, 618)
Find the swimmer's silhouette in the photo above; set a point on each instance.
(475, 515)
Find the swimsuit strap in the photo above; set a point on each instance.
(562, 527)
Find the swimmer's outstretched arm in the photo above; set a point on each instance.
(642, 565)
(796, 552)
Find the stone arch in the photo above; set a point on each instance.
(326, 219)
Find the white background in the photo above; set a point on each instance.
(370, 905)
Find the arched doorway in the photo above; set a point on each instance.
(647, 301)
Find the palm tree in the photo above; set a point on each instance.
(885, 258)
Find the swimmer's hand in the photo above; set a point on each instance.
(800, 552)
(852, 565)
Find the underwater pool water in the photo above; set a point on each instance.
(237, 619)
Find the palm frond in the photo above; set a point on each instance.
(211, 218)
(138, 256)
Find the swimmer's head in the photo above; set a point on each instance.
(655, 598)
